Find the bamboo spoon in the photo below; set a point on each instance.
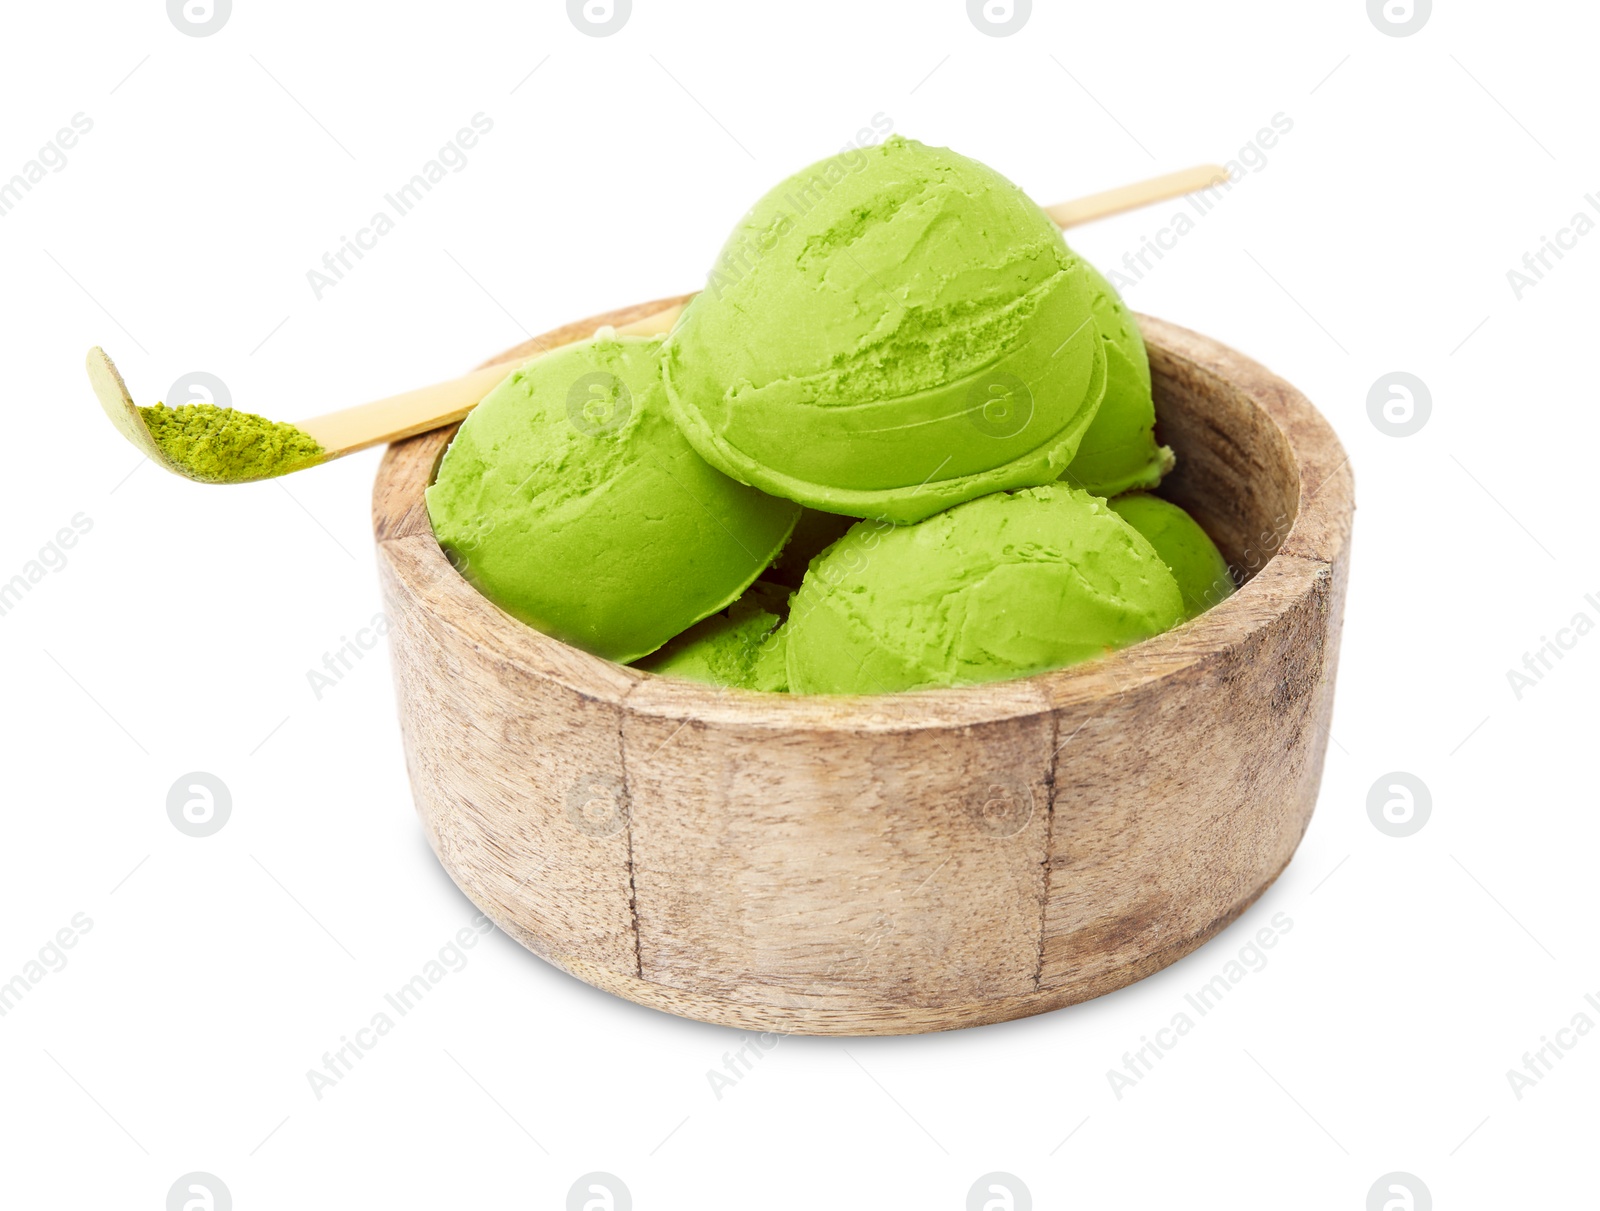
(434, 407)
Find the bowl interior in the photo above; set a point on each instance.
(1236, 473)
(1257, 466)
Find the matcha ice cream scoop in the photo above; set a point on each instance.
(570, 499)
(1198, 567)
(1119, 452)
(890, 332)
(733, 648)
(1004, 586)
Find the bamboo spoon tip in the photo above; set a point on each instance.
(130, 421)
(120, 410)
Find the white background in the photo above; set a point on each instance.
(179, 633)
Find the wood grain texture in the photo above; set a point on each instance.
(898, 863)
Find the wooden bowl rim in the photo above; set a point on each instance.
(1301, 556)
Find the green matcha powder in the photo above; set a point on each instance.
(224, 446)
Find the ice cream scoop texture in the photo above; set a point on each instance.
(890, 332)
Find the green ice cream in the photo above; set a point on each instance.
(888, 333)
(1004, 586)
(733, 648)
(1119, 452)
(571, 500)
(1198, 567)
(771, 670)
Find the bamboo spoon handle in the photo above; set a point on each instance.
(1140, 193)
(403, 415)
(434, 407)
(438, 405)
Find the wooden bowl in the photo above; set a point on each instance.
(897, 863)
